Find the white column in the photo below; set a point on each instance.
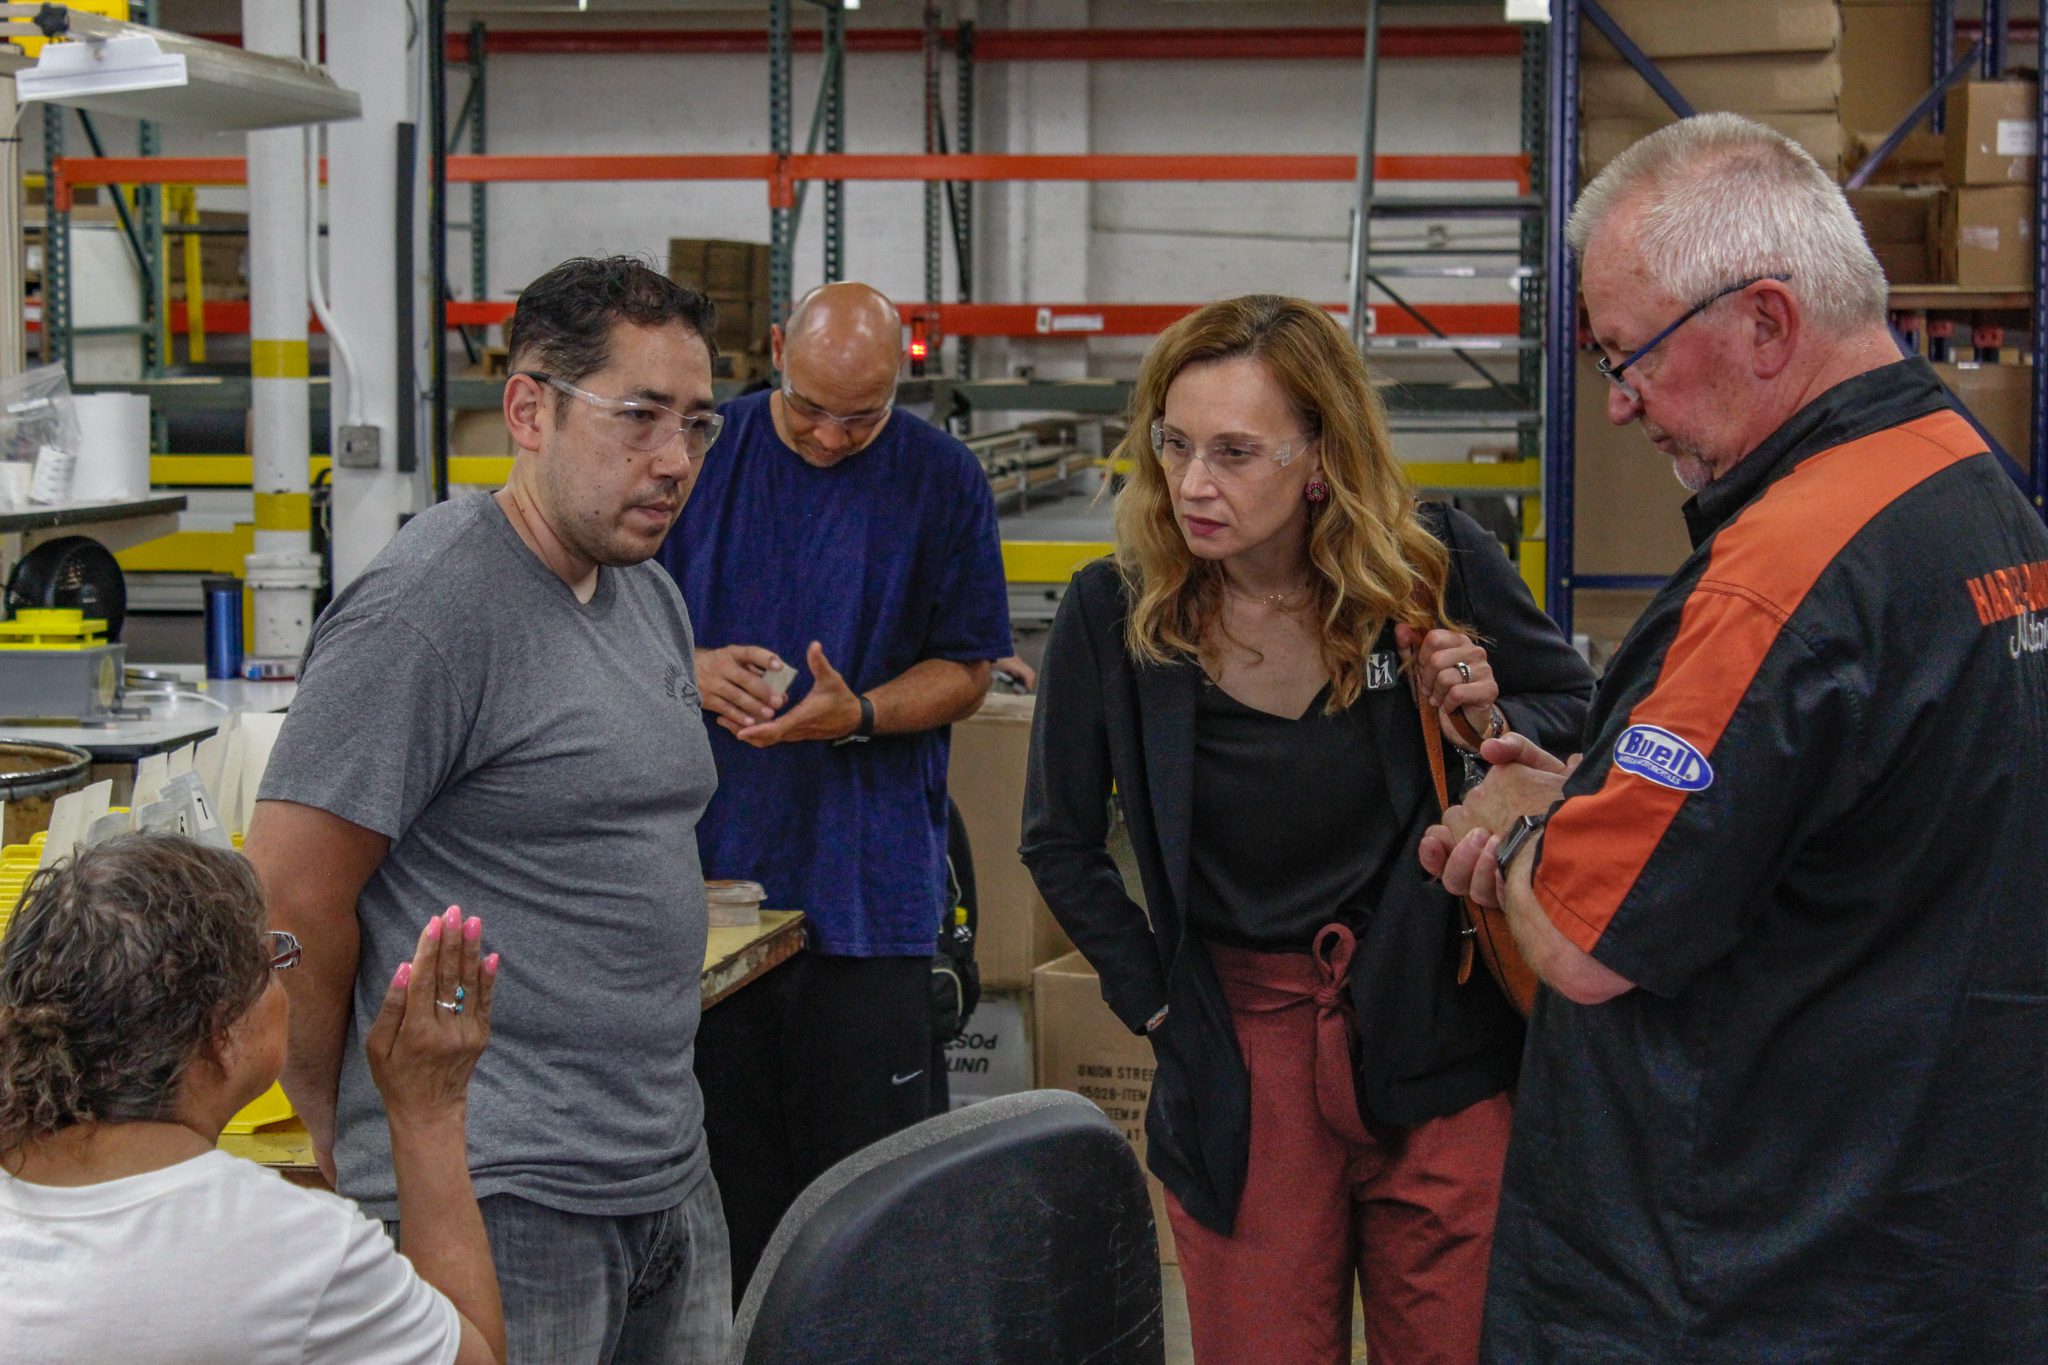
(367, 54)
(283, 573)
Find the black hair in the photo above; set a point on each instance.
(563, 323)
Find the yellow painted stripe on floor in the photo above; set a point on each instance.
(283, 512)
(277, 360)
(1048, 561)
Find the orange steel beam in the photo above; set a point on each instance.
(67, 172)
(1025, 45)
(1102, 319)
(1148, 319)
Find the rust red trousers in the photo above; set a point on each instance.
(1406, 1213)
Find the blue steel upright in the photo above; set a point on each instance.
(1561, 327)
(2037, 474)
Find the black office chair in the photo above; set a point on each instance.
(1014, 1230)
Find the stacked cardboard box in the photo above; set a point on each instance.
(735, 276)
(223, 257)
(1778, 61)
(985, 776)
(1625, 500)
(1835, 76)
(1083, 1047)
(1902, 224)
(1986, 234)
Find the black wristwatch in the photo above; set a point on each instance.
(864, 731)
(1519, 833)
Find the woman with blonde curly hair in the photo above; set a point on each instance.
(1330, 1102)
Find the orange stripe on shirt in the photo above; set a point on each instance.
(1762, 566)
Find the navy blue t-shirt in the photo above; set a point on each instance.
(888, 558)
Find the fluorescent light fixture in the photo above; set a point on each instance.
(138, 72)
(1528, 11)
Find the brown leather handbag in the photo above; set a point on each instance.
(1486, 929)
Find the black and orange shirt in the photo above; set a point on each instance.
(1812, 827)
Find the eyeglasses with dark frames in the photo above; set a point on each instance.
(1612, 372)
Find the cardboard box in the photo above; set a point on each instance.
(719, 267)
(1625, 499)
(223, 257)
(1603, 139)
(1790, 82)
(1915, 161)
(479, 431)
(1666, 28)
(1990, 133)
(1084, 1048)
(986, 778)
(994, 1057)
(1605, 616)
(742, 324)
(1986, 239)
(1902, 227)
(2000, 397)
(1887, 59)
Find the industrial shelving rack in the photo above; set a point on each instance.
(1988, 58)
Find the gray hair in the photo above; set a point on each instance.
(1727, 199)
(119, 967)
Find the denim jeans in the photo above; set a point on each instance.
(638, 1289)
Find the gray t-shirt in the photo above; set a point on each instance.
(542, 763)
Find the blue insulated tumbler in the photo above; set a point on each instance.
(223, 627)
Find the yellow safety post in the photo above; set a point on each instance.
(184, 201)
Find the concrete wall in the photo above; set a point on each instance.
(1035, 242)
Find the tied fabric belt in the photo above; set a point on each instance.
(1270, 983)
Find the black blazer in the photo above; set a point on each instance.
(1428, 1046)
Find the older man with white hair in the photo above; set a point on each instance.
(1786, 1097)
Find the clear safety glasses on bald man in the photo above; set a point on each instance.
(1229, 459)
(640, 425)
(857, 423)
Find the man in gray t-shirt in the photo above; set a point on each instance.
(501, 713)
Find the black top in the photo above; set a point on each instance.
(1809, 827)
(1293, 829)
(1427, 1046)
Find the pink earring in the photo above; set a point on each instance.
(1316, 491)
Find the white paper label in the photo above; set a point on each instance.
(2015, 137)
(51, 482)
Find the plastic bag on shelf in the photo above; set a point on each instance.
(39, 434)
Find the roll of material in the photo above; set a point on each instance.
(113, 447)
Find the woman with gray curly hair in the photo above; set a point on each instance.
(139, 1012)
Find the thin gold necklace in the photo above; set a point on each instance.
(1279, 601)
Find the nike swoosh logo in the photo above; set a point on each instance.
(899, 1080)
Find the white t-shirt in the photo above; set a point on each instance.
(213, 1259)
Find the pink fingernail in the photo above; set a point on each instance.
(491, 964)
(402, 977)
(473, 930)
(434, 927)
(454, 916)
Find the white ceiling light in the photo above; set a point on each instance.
(111, 67)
